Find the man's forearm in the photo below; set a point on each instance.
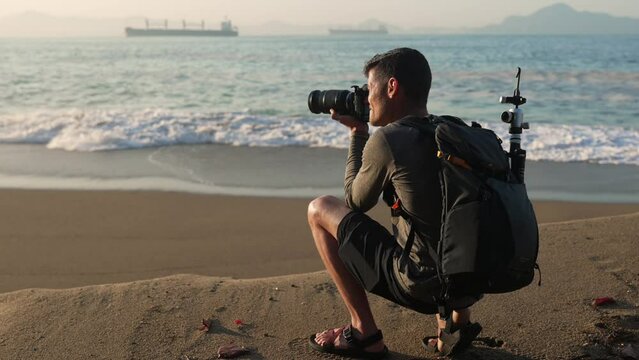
(354, 162)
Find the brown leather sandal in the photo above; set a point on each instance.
(453, 342)
(356, 346)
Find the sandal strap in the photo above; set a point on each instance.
(361, 343)
(457, 340)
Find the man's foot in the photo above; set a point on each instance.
(348, 341)
(449, 344)
(435, 342)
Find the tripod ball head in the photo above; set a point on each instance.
(514, 117)
(507, 116)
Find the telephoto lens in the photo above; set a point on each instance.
(321, 102)
(353, 103)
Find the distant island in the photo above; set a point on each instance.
(562, 19)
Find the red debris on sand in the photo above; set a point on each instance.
(238, 322)
(231, 351)
(603, 301)
(205, 326)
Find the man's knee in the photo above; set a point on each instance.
(320, 206)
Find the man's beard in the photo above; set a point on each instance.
(380, 115)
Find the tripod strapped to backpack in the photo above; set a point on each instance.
(515, 117)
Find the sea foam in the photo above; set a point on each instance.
(99, 130)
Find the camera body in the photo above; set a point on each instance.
(345, 102)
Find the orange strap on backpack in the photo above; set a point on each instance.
(454, 160)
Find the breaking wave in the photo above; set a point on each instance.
(99, 130)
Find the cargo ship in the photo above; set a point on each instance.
(381, 30)
(226, 29)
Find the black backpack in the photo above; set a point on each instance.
(489, 237)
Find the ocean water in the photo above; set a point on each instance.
(96, 96)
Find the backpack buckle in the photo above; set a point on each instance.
(454, 160)
(396, 208)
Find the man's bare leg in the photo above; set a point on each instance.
(324, 216)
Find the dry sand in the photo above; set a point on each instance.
(63, 239)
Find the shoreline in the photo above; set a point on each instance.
(63, 239)
(295, 172)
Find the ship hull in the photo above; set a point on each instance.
(132, 32)
(357, 32)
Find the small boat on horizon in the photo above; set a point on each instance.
(226, 29)
(381, 30)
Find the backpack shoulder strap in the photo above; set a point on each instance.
(426, 127)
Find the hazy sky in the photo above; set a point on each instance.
(405, 13)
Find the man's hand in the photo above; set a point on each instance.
(355, 125)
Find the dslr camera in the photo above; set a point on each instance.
(344, 102)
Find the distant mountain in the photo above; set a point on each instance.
(563, 19)
(35, 24)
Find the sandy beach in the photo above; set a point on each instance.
(131, 275)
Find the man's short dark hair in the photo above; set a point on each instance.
(409, 67)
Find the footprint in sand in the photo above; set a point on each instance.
(611, 266)
(325, 287)
(215, 286)
(606, 264)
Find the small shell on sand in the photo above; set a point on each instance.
(231, 351)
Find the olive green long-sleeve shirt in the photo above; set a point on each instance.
(401, 156)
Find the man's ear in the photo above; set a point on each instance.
(392, 87)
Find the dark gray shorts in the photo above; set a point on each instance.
(368, 249)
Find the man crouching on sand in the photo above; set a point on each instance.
(359, 253)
